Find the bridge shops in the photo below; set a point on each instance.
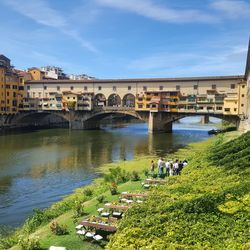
(214, 95)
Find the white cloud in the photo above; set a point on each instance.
(224, 61)
(232, 8)
(40, 12)
(151, 10)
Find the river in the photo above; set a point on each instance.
(38, 168)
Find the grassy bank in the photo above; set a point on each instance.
(207, 207)
(193, 210)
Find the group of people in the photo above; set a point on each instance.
(169, 168)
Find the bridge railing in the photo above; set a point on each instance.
(99, 109)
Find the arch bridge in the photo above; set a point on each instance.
(157, 121)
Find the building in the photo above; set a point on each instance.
(36, 74)
(80, 77)
(191, 94)
(11, 90)
(53, 72)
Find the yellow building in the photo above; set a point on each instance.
(36, 74)
(23, 77)
(9, 85)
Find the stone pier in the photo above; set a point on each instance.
(156, 123)
(205, 119)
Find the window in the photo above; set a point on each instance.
(218, 108)
(178, 87)
(140, 106)
(243, 86)
(100, 88)
(213, 86)
(242, 105)
(235, 110)
(28, 87)
(44, 87)
(58, 88)
(85, 88)
(195, 87)
(114, 88)
(39, 94)
(227, 109)
(71, 87)
(14, 94)
(242, 95)
(144, 88)
(8, 93)
(232, 86)
(129, 87)
(161, 88)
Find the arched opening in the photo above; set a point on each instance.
(114, 100)
(128, 101)
(42, 120)
(100, 100)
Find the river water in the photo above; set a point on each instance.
(40, 167)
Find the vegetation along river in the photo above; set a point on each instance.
(40, 167)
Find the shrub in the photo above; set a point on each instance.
(8, 242)
(146, 172)
(100, 198)
(29, 243)
(135, 176)
(58, 229)
(113, 189)
(78, 209)
(162, 176)
(116, 175)
(38, 217)
(88, 192)
(154, 175)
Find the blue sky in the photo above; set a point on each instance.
(127, 38)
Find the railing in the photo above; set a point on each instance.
(99, 109)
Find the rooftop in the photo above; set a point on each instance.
(138, 80)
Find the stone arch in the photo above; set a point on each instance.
(100, 100)
(114, 100)
(40, 119)
(128, 100)
(103, 114)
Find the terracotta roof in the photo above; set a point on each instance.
(138, 80)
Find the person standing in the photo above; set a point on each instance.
(167, 166)
(171, 169)
(161, 166)
(152, 166)
(176, 167)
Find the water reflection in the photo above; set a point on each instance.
(40, 167)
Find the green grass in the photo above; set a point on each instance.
(207, 207)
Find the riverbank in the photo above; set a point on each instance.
(197, 180)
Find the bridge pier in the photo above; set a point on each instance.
(205, 119)
(156, 123)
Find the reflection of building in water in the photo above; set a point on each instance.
(159, 146)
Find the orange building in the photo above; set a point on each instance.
(9, 87)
